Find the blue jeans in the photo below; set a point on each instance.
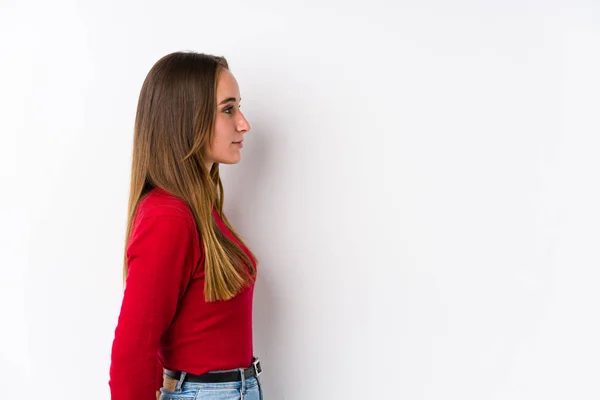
(250, 389)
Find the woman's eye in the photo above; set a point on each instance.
(228, 109)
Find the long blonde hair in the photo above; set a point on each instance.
(174, 126)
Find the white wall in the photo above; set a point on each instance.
(420, 184)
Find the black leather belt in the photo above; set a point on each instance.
(214, 377)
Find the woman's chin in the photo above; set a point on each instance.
(231, 160)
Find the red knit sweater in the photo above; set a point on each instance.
(164, 320)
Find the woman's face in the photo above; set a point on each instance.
(230, 123)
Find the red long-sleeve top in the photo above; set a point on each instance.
(164, 320)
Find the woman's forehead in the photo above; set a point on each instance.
(227, 87)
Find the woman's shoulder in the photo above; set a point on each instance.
(158, 202)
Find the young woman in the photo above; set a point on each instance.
(185, 326)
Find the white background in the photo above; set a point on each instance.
(420, 184)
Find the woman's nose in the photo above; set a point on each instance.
(243, 124)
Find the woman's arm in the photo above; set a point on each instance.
(160, 259)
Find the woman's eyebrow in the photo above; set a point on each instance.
(227, 100)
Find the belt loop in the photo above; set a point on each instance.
(180, 382)
(243, 390)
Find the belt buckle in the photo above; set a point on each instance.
(257, 368)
